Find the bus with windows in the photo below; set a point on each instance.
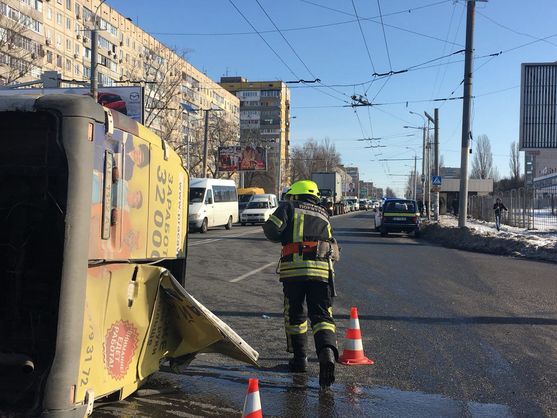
(93, 214)
(213, 202)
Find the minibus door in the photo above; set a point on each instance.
(210, 205)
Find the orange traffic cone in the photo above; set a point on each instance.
(353, 348)
(252, 404)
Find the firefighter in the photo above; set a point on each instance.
(308, 249)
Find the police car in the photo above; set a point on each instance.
(398, 215)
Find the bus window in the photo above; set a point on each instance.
(196, 194)
(209, 197)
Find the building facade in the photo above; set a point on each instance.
(538, 119)
(264, 121)
(55, 35)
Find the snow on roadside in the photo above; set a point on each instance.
(483, 236)
(535, 237)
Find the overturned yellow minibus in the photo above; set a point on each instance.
(93, 214)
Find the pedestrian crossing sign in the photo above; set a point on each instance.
(436, 180)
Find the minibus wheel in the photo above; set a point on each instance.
(204, 226)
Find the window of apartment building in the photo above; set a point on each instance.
(68, 24)
(77, 50)
(58, 41)
(35, 4)
(48, 35)
(49, 13)
(76, 69)
(86, 72)
(87, 52)
(77, 10)
(69, 4)
(68, 65)
(270, 93)
(87, 14)
(21, 18)
(59, 61)
(68, 45)
(49, 57)
(78, 29)
(58, 18)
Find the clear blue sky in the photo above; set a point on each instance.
(335, 53)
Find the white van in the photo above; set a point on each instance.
(213, 202)
(259, 208)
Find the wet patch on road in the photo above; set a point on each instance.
(212, 391)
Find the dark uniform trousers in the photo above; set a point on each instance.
(320, 312)
(304, 275)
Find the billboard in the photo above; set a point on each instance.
(125, 99)
(242, 158)
(538, 106)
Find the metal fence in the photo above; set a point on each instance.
(528, 208)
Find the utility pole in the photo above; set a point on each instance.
(94, 53)
(279, 168)
(466, 104)
(435, 121)
(423, 166)
(206, 143)
(415, 175)
(436, 136)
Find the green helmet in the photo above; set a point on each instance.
(302, 187)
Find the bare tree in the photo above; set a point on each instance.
(20, 55)
(389, 192)
(161, 71)
(312, 157)
(482, 163)
(514, 161)
(222, 131)
(409, 191)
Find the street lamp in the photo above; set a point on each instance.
(425, 147)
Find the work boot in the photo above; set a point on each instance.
(326, 367)
(298, 364)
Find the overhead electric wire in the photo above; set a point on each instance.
(296, 53)
(374, 21)
(275, 52)
(300, 28)
(264, 40)
(384, 35)
(363, 36)
(513, 30)
(443, 51)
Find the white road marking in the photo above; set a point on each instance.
(209, 240)
(251, 273)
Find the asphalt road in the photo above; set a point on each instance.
(452, 333)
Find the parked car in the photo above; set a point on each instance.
(398, 215)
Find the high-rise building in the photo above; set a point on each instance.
(55, 35)
(264, 121)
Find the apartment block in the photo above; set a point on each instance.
(264, 121)
(55, 35)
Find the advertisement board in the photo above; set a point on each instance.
(124, 99)
(242, 158)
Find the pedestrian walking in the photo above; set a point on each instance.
(306, 272)
(498, 207)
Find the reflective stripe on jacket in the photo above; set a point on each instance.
(299, 221)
